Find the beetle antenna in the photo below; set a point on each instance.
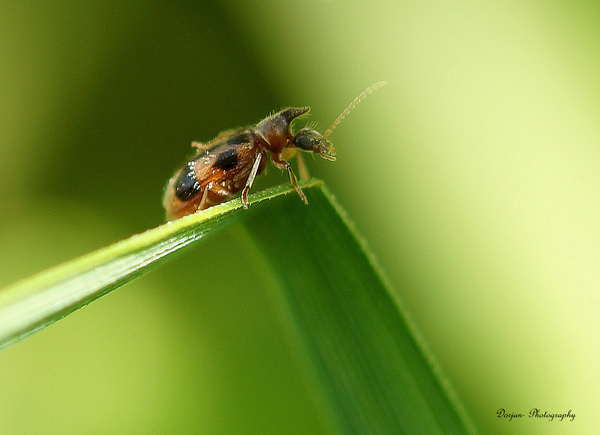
(353, 104)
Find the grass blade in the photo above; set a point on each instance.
(375, 376)
(37, 302)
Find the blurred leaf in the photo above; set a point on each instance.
(41, 300)
(374, 376)
(373, 373)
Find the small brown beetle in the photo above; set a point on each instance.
(232, 160)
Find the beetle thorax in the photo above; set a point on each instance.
(275, 129)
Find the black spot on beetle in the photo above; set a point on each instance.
(227, 159)
(187, 185)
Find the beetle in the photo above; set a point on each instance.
(230, 162)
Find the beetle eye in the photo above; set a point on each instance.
(303, 142)
(308, 139)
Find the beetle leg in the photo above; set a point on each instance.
(220, 190)
(214, 188)
(250, 179)
(202, 204)
(282, 164)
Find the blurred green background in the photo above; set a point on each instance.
(474, 175)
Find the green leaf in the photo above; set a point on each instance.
(375, 376)
(373, 373)
(41, 300)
